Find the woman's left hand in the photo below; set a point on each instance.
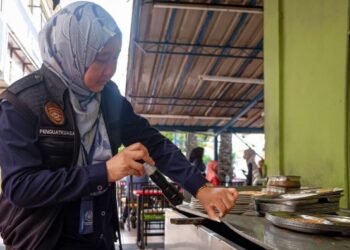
(221, 199)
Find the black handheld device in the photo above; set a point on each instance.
(170, 192)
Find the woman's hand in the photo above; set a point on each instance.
(222, 199)
(127, 162)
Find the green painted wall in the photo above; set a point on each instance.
(306, 91)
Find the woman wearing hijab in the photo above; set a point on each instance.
(196, 159)
(254, 174)
(60, 130)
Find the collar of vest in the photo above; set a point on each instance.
(55, 87)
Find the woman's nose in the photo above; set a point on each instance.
(110, 68)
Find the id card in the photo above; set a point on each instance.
(86, 216)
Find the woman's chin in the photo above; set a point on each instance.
(97, 89)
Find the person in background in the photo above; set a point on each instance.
(196, 159)
(254, 174)
(60, 131)
(261, 165)
(212, 171)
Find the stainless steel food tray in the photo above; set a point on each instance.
(335, 224)
(311, 208)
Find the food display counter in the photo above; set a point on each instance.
(181, 237)
(241, 232)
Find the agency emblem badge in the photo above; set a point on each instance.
(54, 112)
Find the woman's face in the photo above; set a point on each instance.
(104, 66)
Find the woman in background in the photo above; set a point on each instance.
(254, 172)
(196, 159)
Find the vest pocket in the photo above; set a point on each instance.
(57, 152)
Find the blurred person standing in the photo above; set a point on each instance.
(254, 172)
(196, 159)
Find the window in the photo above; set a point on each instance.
(36, 9)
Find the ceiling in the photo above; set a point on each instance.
(197, 65)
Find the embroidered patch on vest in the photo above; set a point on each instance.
(55, 113)
(56, 132)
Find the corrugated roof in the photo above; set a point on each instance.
(184, 61)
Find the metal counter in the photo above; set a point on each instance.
(185, 237)
(261, 232)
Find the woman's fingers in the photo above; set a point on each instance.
(212, 214)
(221, 206)
(227, 203)
(229, 196)
(137, 167)
(137, 174)
(234, 192)
(148, 159)
(217, 201)
(127, 162)
(134, 172)
(140, 152)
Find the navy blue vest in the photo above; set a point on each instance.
(37, 97)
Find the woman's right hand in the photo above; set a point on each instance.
(127, 162)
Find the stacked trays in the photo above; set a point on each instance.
(307, 201)
(243, 203)
(282, 184)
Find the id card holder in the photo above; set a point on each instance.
(86, 221)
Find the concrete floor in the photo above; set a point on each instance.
(129, 241)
